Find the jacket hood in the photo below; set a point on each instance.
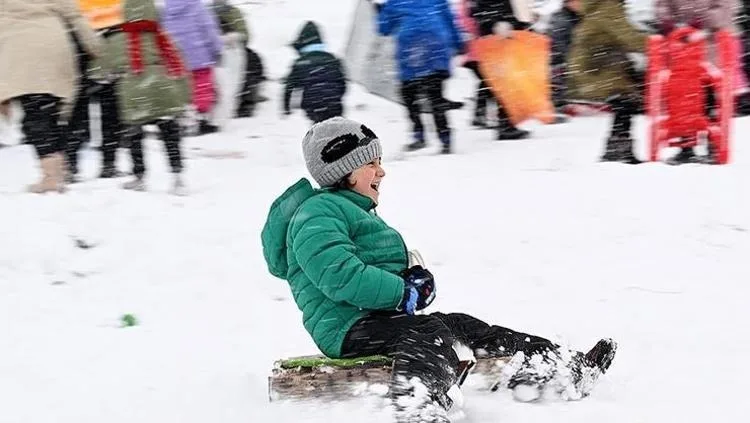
(140, 10)
(280, 216)
(309, 35)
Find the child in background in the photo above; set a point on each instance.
(196, 32)
(151, 83)
(319, 74)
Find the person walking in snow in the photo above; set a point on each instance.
(426, 39)
(103, 16)
(708, 15)
(234, 30)
(152, 84)
(497, 17)
(318, 74)
(37, 69)
(599, 70)
(562, 24)
(350, 275)
(196, 32)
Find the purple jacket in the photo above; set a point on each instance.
(195, 30)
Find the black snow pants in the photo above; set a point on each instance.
(41, 123)
(78, 131)
(432, 87)
(170, 134)
(422, 345)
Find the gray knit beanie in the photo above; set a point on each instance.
(336, 147)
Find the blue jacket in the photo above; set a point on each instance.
(426, 35)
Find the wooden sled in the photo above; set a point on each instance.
(321, 378)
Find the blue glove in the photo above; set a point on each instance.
(423, 282)
(409, 302)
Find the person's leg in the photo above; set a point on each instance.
(111, 129)
(204, 98)
(170, 133)
(619, 144)
(135, 140)
(542, 360)
(482, 96)
(77, 131)
(434, 90)
(41, 127)
(409, 94)
(421, 347)
(506, 130)
(492, 340)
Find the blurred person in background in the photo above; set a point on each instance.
(39, 71)
(427, 38)
(561, 26)
(234, 29)
(497, 17)
(600, 70)
(153, 86)
(318, 74)
(196, 32)
(103, 16)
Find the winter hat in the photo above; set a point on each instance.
(338, 146)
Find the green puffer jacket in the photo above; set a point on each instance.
(341, 260)
(598, 66)
(153, 93)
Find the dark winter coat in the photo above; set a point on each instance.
(489, 12)
(318, 73)
(426, 33)
(560, 31)
(598, 66)
(152, 80)
(341, 260)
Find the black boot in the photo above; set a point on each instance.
(506, 130)
(619, 148)
(602, 354)
(205, 128)
(510, 132)
(445, 140)
(110, 171)
(628, 157)
(418, 143)
(685, 156)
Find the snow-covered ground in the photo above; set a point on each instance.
(533, 235)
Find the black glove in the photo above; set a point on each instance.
(422, 281)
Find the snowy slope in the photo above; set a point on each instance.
(533, 235)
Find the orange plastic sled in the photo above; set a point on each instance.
(517, 71)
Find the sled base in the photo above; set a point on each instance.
(321, 378)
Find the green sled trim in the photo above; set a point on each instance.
(316, 361)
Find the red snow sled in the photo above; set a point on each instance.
(679, 74)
